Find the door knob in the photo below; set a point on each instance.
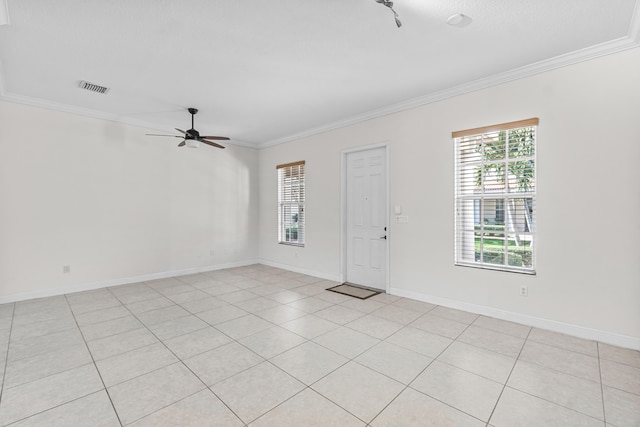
(384, 237)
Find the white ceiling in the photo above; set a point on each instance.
(263, 72)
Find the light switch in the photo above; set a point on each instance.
(397, 209)
(402, 219)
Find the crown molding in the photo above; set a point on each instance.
(632, 40)
(582, 55)
(94, 114)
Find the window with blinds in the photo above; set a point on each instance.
(495, 196)
(291, 203)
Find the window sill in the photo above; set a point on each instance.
(490, 267)
(299, 245)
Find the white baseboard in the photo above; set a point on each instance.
(321, 275)
(61, 290)
(552, 325)
(537, 322)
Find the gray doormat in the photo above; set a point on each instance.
(355, 291)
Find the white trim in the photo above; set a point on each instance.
(552, 325)
(343, 206)
(2, 86)
(324, 276)
(94, 114)
(466, 190)
(4, 13)
(632, 40)
(537, 322)
(581, 55)
(634, 27)
(62, 290)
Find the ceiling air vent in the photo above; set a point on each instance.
(93, 87)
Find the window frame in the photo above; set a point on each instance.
(291, 178)
(519, 210)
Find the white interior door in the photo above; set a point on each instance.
(366, 218)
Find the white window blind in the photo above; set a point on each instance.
(291, 197)
(495, 196)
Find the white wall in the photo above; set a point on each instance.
(588, 267)
(114, 204)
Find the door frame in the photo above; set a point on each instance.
(343, 208)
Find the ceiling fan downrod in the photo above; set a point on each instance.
(193, 112)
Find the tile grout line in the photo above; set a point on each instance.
(558, 405)
(453, 340)
(45, 351)
(309, 386)
(173, 403)
(56, 406)
(528, 338)
(251, 350)
(6, 361)
(268, 360)
(563, 348)
(306, 387)
(49, 376)
(93, 360)
(508, 377)
(264, 359)
(544, 399)
(604, 408)
(206, 387)
(408, 385)
(481, 349)
(548, 368)
(112, 335)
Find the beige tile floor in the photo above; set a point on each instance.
(260, 346)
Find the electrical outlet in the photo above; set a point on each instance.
(66, 269)
(524, 291)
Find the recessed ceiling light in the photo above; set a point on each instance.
(459, 20)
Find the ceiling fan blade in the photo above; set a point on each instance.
(217, 138)
(181, 131)
(182, 143)
(155, 134)
(213, 144)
